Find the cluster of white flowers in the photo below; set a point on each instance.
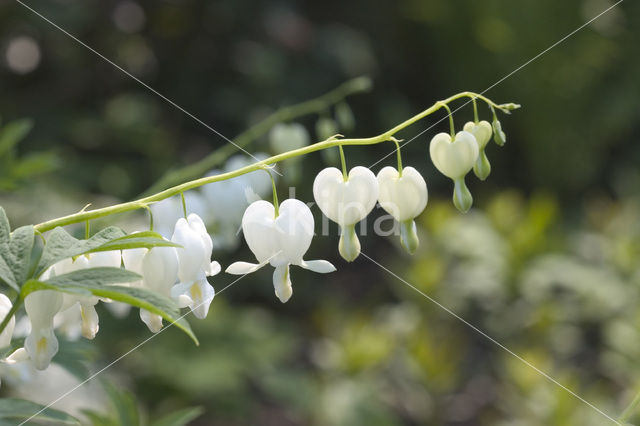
(177, 272)
(455, 156)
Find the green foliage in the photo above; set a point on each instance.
(146, 239)
(20, 410)
(14, 169)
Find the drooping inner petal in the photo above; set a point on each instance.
(282, 283)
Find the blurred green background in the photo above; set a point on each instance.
(547, 262)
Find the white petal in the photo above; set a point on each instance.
(19, 355)
(214, 269)
(282, 283)
(195, 252)
(202, 294)
(153, 321)
(320, 266)
(258, 227)
(41, 307)
(41, 345)
(456, 158)
(243, 268)
(295, 227)
(346, 202)
(90, 320)
(111, 258)
(160, 269)
(403, 197)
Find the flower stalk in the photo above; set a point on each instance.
(144, 202)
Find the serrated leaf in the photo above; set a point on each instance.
(14, 132)
(19, 254)
(6, 273)
(60, 245)
(180, 417)
(20, 409)
(84, 282)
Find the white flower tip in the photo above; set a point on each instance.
(214, 269)
(153, 321)
(19, 355)
(243, 268)
(320, 266)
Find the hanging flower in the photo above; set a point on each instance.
(159, 270)
(194, 265)
(41, 344)
(88, 316)
(404, 197)
(346, 201)
(280, 239)
(482, 132)
(454, 159)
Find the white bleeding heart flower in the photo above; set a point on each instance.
(194, 266)
(346, 202)
(454, 159)
(158, 267)
(7, 333)
(88, 317)
(41, 344)
(280, 240)
(482, 131)
(404, 197)
(168, 211)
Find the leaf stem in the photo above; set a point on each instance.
(148, 200)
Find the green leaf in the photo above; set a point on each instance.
(147, 239)
(20, 409)
(180, 417)
(33, 164)
(93, 280)
(60, 245)
(125, 405)
(14, 132)
(5, 230)
(19, 255)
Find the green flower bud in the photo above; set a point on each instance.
(482, 168)
(349, 245)
(499, 136)
(409, 236)
(462, 198)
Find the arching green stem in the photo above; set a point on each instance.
(276, 205)
(146, 201)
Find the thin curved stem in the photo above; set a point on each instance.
(475, 111)
(331, 142)
(399, 155)
(343, 162)
(217, 157)
(452, 126)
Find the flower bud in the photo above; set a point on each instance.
(349, 245)
(482, 168)
(462, 198)
(409, 236)
(499, 136)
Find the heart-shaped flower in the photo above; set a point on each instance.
(159, 270)
(194, 265)
(404, 197)
(454, 159)
(280, 240)
(482, 131)
(346, 201)
(41, 344)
